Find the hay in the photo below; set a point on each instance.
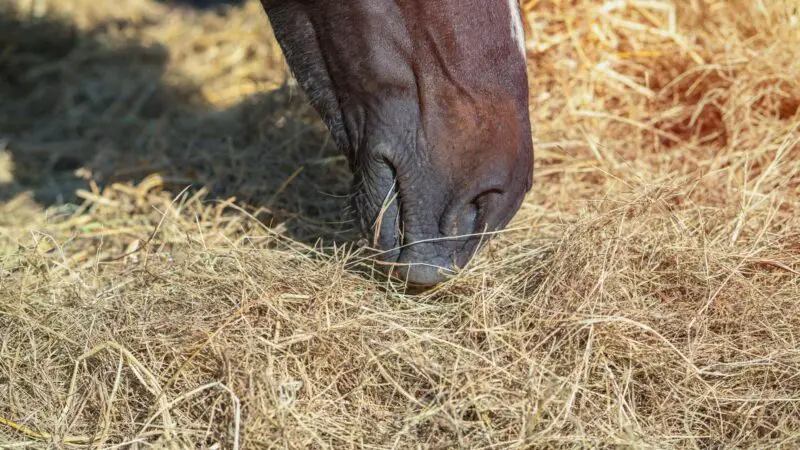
(645, 295)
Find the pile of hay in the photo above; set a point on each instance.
(647, 294)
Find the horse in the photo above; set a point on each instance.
(428, 101)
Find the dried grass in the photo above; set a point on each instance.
(645, 295)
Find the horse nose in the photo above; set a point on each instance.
(429, 227)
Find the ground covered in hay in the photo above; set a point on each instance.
(176, 269)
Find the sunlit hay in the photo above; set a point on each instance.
(645, 295)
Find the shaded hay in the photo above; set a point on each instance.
(645, 295)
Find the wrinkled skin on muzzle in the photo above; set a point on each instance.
(428, 99)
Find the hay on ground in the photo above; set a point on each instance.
(646, 294)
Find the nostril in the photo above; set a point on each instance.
(468, 219)
(475, 214)
(386, 207)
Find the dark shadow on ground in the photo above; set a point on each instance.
(78, 106)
